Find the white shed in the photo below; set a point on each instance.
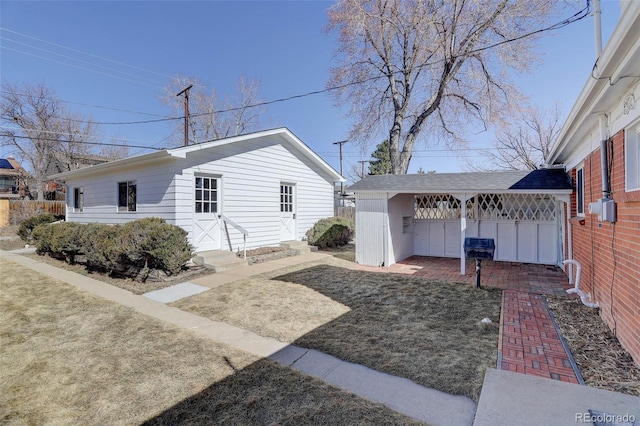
(398, 216)
(268, 184)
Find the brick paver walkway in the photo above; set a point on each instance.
(529, 342)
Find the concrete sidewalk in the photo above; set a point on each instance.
(399, 394)
(510, 398)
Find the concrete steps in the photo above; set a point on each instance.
(300, 246)
(219, 260)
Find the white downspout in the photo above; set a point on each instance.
(597, 27)
(570, 244)
(576, 290)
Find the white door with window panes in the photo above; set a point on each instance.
(287, 212)
(206, 210)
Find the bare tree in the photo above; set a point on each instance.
(43, 134)
(430, 66)
(213, 117)
(524, 144)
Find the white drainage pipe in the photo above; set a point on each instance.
(576, 290)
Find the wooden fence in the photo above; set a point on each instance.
(12, 212)
(346, 212)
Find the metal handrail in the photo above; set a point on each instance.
(244, 232)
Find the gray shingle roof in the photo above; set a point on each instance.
(461, 182)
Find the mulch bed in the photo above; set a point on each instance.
(602, 361)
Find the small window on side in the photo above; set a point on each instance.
(632, 158)
(78, 199)
(580, 191)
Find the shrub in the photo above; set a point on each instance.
(330, 232)
(153, 243)
(101, 247)
(27, 226)
(133, 249)
(60, 240)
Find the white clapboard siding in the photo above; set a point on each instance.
(250, 172)
(371, 219)
(154, 195)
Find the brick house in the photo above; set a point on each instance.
(12, 179)
(599, 146)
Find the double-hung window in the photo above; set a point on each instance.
(632, 158)
(580, 191)
(127, 194)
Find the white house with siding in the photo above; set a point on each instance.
(268, 184)
(398, 216)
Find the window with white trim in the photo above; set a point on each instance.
(632, 158)
(286, 198)
(206, 196)
(127, 195)
(78, 199)
(580, 191)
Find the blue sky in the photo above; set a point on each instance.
(131, 48)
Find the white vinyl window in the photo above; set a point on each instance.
(632, 158)
(127, 196)
(580, 191)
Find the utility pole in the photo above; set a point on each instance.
(186, 113)
(340, 145)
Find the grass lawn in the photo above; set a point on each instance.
(68, 357)
(425, 331)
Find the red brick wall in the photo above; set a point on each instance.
(610, 253)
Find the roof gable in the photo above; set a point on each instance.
(282, 134)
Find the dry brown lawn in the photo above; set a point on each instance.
(268, 307)
(405, 326)
(68, 357)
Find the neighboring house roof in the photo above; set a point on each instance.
(616, 71)
(10, 167)
(477, 182)
(283, 134)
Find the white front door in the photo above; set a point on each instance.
(287, 212)
(206, 208)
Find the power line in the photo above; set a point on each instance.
(91, 143)
(76, 66)
(78, 60)
(74, 134)
(25, 95)
(85, 53)
(581, 14)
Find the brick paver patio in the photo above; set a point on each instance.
(529, 341)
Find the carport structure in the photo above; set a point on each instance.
(398, 216)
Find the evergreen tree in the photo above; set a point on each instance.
(382, 163)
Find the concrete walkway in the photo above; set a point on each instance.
(399, 394)
(507, 398)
